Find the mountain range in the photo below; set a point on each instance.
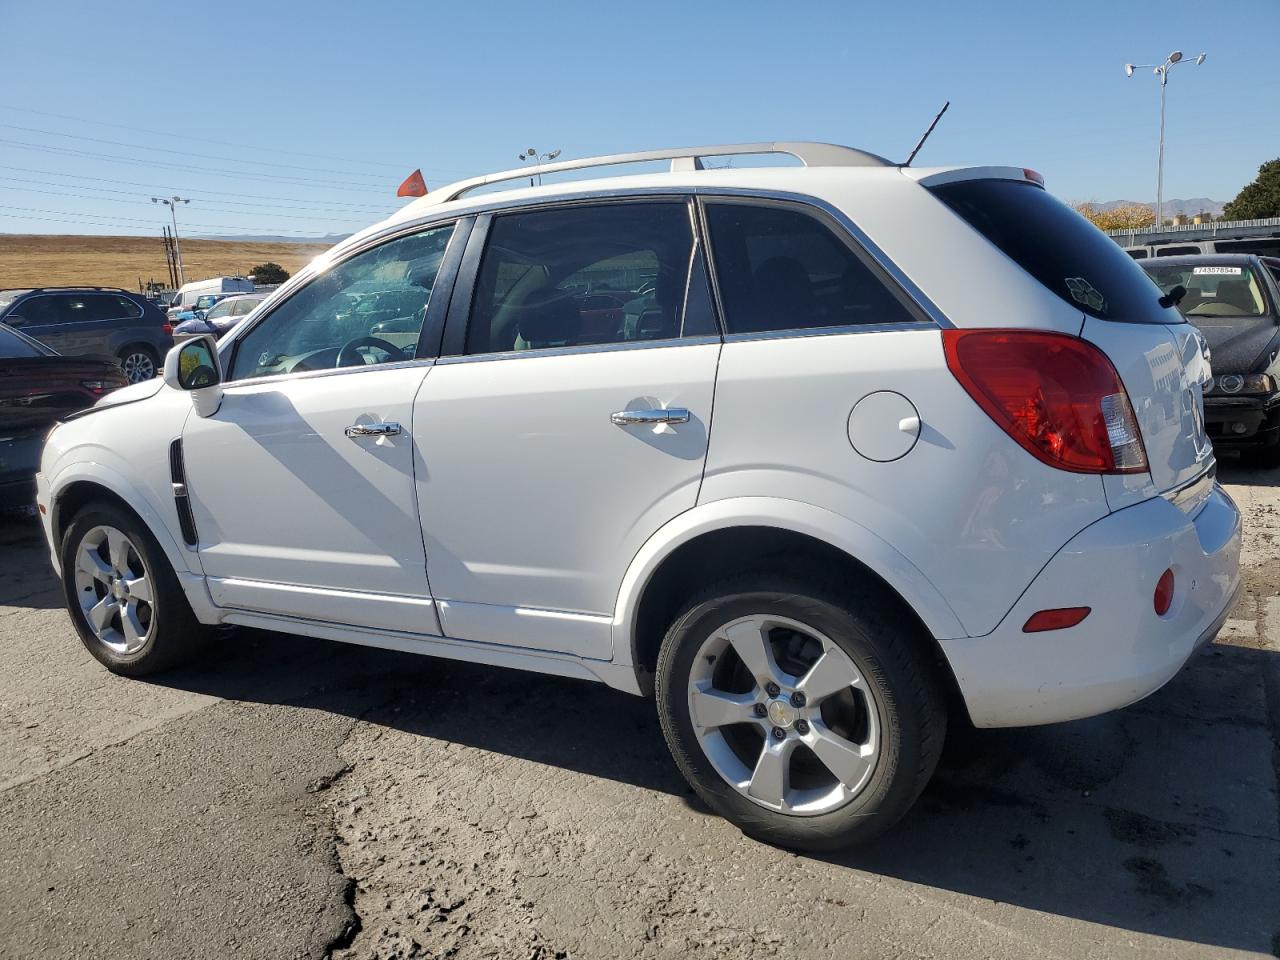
(1173, 207)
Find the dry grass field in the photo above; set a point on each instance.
(34, 261)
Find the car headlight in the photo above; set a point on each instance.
(1234, 384)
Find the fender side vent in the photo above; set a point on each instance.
(178, 474)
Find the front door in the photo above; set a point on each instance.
(302, 483)
(554, 441)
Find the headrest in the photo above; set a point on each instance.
(549, 317)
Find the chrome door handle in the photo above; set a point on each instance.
(626, 418)
(373, 430)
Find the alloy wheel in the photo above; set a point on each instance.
(115, 590)
(784, 715)
(138, 366)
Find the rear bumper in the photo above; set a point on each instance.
(1122, 651)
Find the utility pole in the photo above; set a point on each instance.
(172, 204)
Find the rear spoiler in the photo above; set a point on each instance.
(936, 176)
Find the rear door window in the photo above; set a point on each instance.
(110, 307)
(780, 268)
(540, 279)
(1058, 247)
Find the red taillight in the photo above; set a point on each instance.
(1058, 619)
(1058, 396)
(166, 328)
(1033, 176)
(1163, 598)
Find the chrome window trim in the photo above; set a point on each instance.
(499, 204)
(231, 385)
(707, 193)
(798, 332)
(579, 348)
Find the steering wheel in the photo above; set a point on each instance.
(347, 356)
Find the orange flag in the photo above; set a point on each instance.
(413, 186)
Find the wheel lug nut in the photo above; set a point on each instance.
(761, 709)
(772, 689)
(802, 727)
(779, 733)
(797, 699)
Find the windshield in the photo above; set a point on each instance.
(1213, 290)
(220, 310)
(12, 345)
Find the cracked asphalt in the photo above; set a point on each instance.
(289, 797)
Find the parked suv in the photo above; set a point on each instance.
(867, 446)
(82, 321)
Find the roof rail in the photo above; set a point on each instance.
(80, 286)
(682, 158)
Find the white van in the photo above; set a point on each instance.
(185, 298)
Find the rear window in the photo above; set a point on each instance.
(1058, 247)
(12, 345)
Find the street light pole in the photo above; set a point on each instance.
(538, 158)
(1161, 70)
(172, 204)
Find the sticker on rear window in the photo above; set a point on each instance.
(1229, 271)
(1082, 291)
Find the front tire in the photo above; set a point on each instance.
(123, 596)
(805, 712)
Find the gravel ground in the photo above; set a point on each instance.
(297, 798)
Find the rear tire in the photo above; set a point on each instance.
(857, 750)
(139, 363)
(123, 596)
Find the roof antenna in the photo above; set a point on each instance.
(907, 163)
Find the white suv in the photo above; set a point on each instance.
(815, 455)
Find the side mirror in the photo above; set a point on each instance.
(193, 366)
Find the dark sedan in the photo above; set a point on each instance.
(37, 388)
(1235, 302)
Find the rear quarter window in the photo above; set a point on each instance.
(1058, 247)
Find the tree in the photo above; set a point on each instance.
(269, 272)
(1258, 199)
(1127, 216)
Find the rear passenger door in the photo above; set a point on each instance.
(554, 438)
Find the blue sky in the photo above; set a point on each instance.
(304, 117)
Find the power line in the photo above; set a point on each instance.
(115, 219)
(204, 205)
(165, 133)
(185, 153)
(153, 189)
(119, 226)
(268, 177)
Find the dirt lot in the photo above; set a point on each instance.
(296, 798)
(33, 261)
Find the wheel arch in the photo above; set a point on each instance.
(70, 494)
(730, 536)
